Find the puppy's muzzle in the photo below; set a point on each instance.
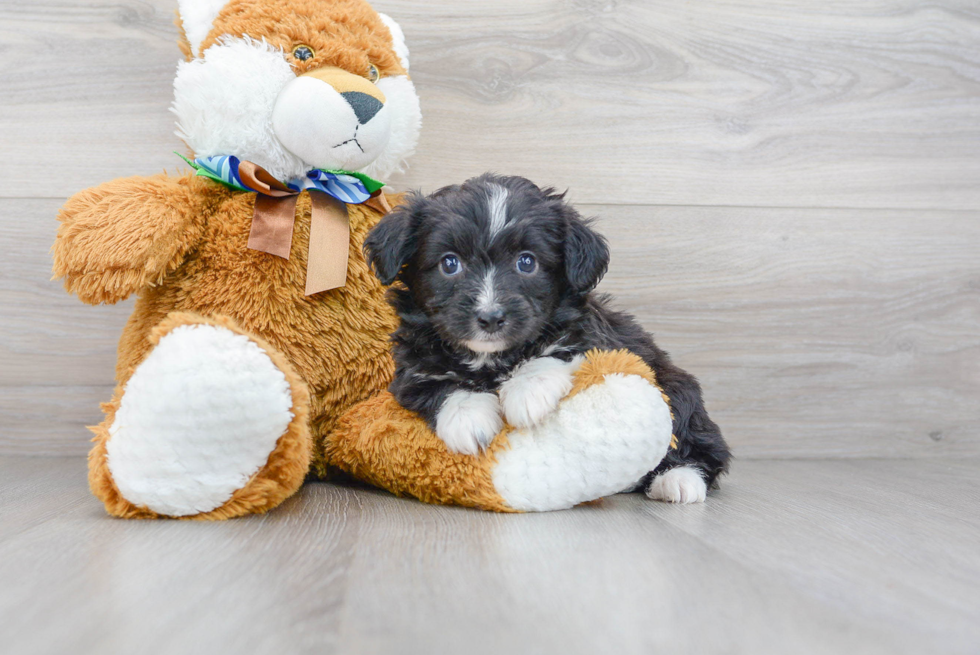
(491, 321)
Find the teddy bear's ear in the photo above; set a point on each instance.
(197, 18)
(398, 37)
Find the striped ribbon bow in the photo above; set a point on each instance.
(275, 212)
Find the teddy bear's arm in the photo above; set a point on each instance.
(124, 235)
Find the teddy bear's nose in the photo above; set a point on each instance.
(364, 106)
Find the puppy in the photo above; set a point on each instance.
(496, 306)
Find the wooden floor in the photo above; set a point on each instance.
(858, 556)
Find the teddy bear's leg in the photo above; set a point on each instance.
(212, 424)
(612, 428)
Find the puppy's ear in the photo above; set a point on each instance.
(392, 242)
(586, 252)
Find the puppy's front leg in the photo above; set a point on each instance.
(535, 388)
(466, 421)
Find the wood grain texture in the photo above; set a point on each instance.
(50, 420)
(48, 338)
(720, 102)
(815, 332)
(800, 557)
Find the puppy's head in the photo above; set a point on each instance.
(490, 261)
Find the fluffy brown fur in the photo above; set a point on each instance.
(185, 248)
(180, 244)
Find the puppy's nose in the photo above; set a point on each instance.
(365, 107)
(491, 320)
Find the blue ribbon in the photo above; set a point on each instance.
(345, 188)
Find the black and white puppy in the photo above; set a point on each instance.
(496, 310)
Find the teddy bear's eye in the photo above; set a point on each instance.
(373, 73)
(303, 52)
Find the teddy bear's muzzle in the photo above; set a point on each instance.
(332, 119)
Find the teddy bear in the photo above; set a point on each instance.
(257, 352)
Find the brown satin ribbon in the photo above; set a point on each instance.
(275, 211)
(275, 214)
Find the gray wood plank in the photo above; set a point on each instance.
(801, 557)
(866, 536)
(815, 332)
(34, 490)
(711, 103)
(48, 338)
(49, 420)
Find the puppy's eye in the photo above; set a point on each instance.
(373, 73)
(526, 263)
(303, 52)
(450, 265)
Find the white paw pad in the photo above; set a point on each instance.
(468, 421)
(535, 389)
(198, 419)
(683, 484)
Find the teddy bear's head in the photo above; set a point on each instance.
(294, 85)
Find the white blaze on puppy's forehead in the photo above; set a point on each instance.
(197, 17)
(497, 205)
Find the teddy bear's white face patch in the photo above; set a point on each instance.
(224, 103)
(243, 98)
(330, 129)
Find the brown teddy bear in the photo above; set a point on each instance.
(257, 352)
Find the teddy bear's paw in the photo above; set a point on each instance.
(683, 484)
(198, 419)
(535, 389)
(468, 421)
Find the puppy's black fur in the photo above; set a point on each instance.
(551, 311)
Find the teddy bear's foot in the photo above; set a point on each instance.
(611, 430)
(212, 424)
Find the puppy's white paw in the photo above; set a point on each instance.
(683, 484)
(468, 421)
(535, 389)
